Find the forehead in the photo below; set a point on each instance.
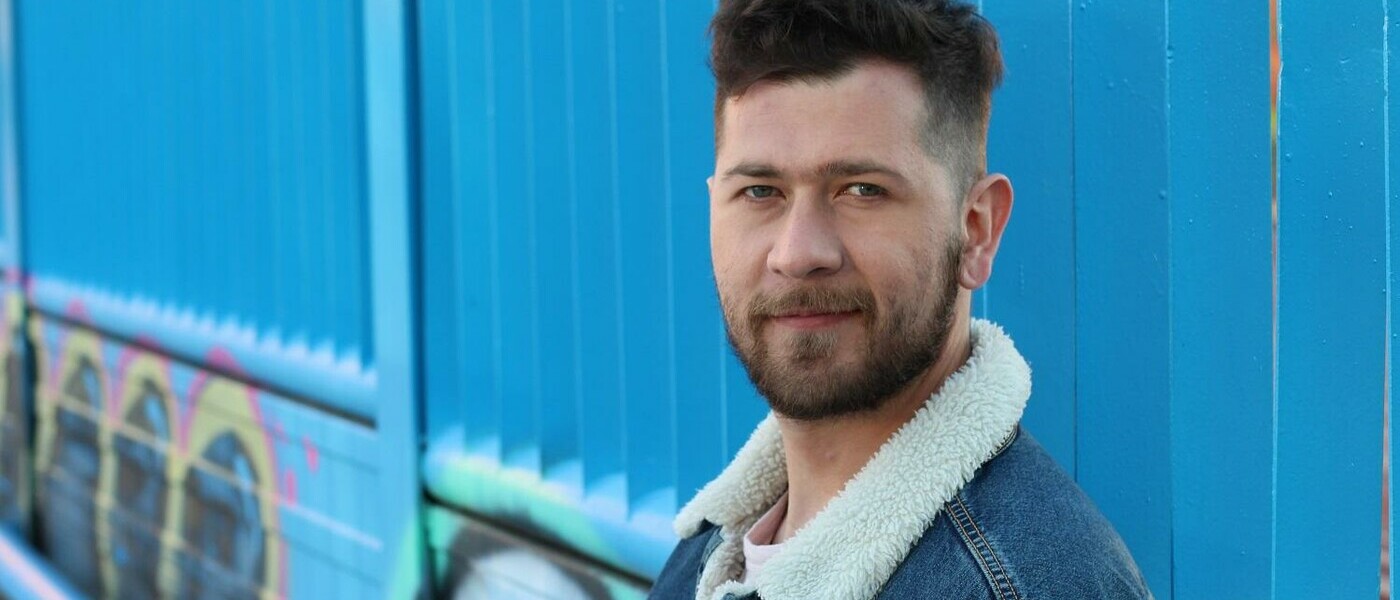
(877, 110)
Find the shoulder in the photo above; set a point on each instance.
(1022, 528)
(681, 574)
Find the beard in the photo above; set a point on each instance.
(798, 376)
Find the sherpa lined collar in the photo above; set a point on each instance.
(862, 535)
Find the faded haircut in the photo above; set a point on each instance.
(953, 50)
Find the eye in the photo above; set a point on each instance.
(760, 192)
(864, 190)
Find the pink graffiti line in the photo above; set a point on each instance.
(78, 311)
(313, 456)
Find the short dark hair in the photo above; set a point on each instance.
(952, 49)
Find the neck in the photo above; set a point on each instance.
(823, 455)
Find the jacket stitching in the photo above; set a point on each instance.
(1002, 575)
(1001, 569)
(1003, 578)
(1011, 437)
(996, 573)
(976, 544)
(956, 513)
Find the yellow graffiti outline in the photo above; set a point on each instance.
(223, 405)
(9, 329)
(142, 367)
(78, 343)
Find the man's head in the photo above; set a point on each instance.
(949, 47)
(850, 213)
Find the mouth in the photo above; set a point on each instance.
(809, 320)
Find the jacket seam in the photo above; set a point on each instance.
(987, 559)
(1011, 437)
(1001, 568)
(955, 514)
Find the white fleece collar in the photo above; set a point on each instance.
(853, 545)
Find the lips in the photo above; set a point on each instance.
(812, 320)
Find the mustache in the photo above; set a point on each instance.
(812, 299)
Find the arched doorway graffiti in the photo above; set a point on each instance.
(71, 462)
(225, 511)
(137, 491)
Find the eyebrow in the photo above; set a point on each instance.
(828, 170)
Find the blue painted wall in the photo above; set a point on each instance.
(212, 159)
(225, 192)
(473, 235)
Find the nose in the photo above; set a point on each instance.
(808, 244)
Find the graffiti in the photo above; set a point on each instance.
(14, 433)
(70, 461)
(141, 478)
(486, 563)
(146, 492)
(226, 507)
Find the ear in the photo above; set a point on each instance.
(985, 212)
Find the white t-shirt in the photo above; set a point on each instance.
(758, 542)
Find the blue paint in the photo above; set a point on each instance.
(696, 323)
(160, 148)
(1221, 351)
(555, 392)
(1121, 257)
(393, 212)
(514, 244)
(593, 152)
(1331, 300)
(442, 357)
(340, 382)
(644, 246)
(1032, 290)
(248, 179)
(1392, 190)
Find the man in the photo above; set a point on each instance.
(851, 220)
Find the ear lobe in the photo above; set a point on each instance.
(986, 211)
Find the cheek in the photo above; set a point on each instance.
(899, 274)
(737, 252)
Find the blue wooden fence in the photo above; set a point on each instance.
(465, 242)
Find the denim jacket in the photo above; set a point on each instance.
(959, 503)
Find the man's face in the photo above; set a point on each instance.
(835, 239)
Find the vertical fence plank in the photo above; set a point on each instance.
(9, 141)
(1331, 286)
(387, 25)
(1221, 303)
(553, 218)
(1392, 188)
(554, 234)
(594, 144)
(1031, 141)
(1120, 132)
(514, 258)
(471, 83)
(644, 246)
(696, 317)
(443, 365)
